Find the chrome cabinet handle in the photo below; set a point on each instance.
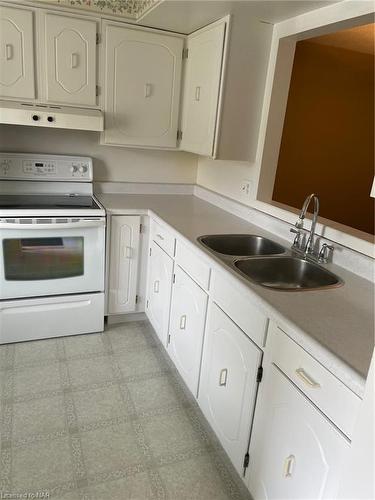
(183, 322)
(197, 93)
(148, 90)
(289, 466)
(156, 286)
(223, 377)
(305, 377)
(74, 60)
(8, 51)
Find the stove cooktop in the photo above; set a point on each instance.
(47, 202)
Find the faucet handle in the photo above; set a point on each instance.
(324, 252)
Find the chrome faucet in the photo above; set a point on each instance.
(308, 248)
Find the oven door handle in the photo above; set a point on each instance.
(64, 225)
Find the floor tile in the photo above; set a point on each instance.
(37, 379)
(194, 479)
(42, 464)
(39, 416)
(79, 345)
(133, 363)
(39, 351)
(98, 404)
(90, 371)
(136, 487)
(153, 393)
(110, 449)
(126, 336)
(171, 435)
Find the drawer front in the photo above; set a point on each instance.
(193, 264)
(330, 395)
(163, 237)
(240, 308)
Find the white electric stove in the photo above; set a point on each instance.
(52, 248)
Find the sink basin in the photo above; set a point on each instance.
(287, 273)
(241, 244)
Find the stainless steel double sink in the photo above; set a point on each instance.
(267, 263)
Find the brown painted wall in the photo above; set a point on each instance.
(328, 137)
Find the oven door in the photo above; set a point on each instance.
(51, 256)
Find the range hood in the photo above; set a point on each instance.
(42, 115)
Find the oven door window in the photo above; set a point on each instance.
(32, 259)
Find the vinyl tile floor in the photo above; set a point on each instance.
(105, 416)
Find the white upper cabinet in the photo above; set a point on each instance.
(228, 384)
(123, 264)
(70, 59)
(202, 89)
(142, 87)
(186, 330)
(16, 53)
(295, 451)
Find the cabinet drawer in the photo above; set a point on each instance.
(163, 237)
(198, 269)
(240, 308)
(333, 398)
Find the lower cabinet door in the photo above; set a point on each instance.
(186, 330)
(123, 263)
(228, 384)
(295, 452)
(159, 291)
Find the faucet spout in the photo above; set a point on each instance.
(309, 248)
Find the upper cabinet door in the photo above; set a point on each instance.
(143, 73)
(70, 62)
(16, 53)
(202, 89)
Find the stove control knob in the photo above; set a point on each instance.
(83, 169)
(73, 169)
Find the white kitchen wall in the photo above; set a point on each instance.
(110, 163)
(226, 178)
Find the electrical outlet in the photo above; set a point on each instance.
(246, 187)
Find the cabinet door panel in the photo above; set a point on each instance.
(123, 263)
(159, 291)
(295, 452)
(16, 53)
(143, 72)
(201, 92)
(187, 322)
(228, 384)
(70, 45)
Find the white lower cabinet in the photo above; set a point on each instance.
(228, 385)
(186, 330)
(159, 288)
(123, 264)
(295, 452)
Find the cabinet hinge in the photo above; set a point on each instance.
(150, 251)
(169, 339)
(98, 38)
(147, 304)
(246, 461)
(174, 278)
(179, 135)
(97, 90)
(137, 299)
(185, 53)
(260, 374)
(140, 228)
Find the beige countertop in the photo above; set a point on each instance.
(337, 324)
